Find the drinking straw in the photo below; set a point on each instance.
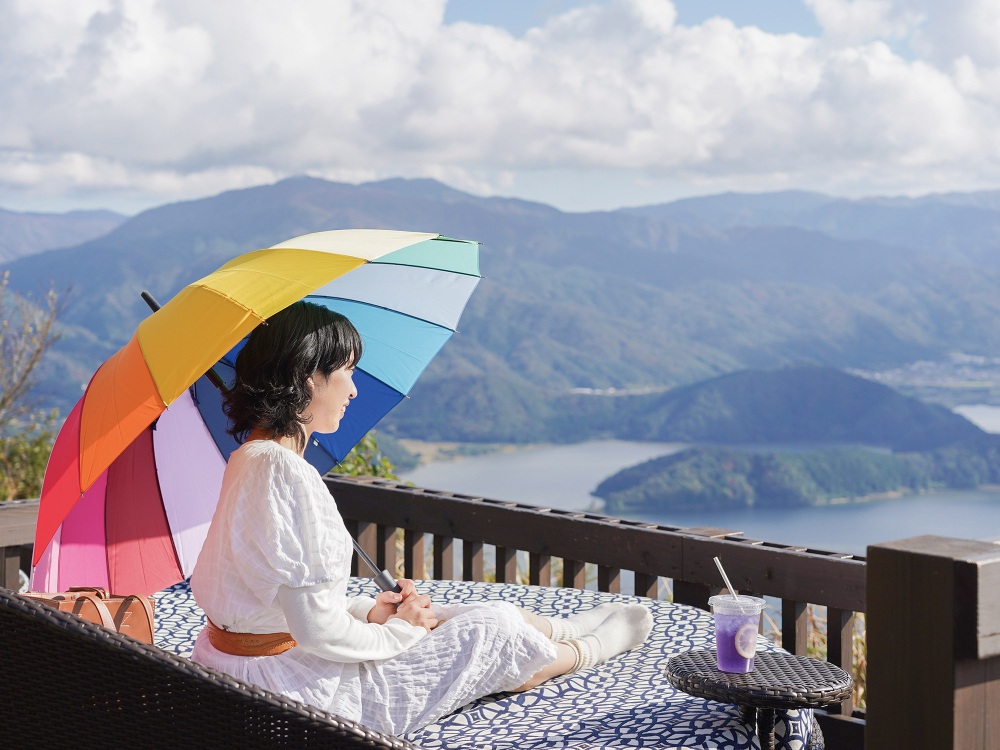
(718, 564)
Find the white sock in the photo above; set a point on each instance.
(621, 631)
(588, 651)
(582, 623)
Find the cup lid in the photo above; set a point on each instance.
(743, 604)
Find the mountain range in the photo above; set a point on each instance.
(29, 233)
(639, 299)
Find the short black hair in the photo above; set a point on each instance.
(271, 391)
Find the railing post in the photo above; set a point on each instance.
(693, 594)
(444, 557)
(472, 560)
(647, 585)
(386, 536)
(506, 565)
(840, 646)
(574, 574)
(352, 529)
(795, 627)
(10, 562)
(367, 536)
(933, 644)
(539, 569)
(609, 579)
(413, 554)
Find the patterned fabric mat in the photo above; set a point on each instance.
(623, 703)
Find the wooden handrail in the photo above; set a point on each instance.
(787, 572)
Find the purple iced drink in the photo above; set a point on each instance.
(735, 639)
(736, 622)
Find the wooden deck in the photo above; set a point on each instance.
(933, 679)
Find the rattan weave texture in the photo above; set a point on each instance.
(779, 680)
(65, 680)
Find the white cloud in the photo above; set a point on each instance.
(854, 21)
(183, 98)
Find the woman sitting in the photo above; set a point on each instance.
(273, 572)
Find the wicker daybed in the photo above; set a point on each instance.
(64, 673)
(70, 682)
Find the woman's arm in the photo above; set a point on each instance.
(360, 606)
(320, 623)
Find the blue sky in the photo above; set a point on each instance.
(517, 16)
(580, 104)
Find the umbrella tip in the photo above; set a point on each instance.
(148, 299)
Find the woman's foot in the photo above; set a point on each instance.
(621, 631)
(582, 623)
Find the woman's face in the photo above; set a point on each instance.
(331, 395)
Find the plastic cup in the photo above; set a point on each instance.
(736, 624)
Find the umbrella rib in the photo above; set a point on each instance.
(429, 268)
(362, 303)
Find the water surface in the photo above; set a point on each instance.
(563, 477)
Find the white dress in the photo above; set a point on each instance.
(278, 538)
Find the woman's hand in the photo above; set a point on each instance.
(387, 601)
(416, 610)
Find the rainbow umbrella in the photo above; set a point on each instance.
(135, 472)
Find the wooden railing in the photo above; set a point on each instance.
(932, 604)
(607, 552)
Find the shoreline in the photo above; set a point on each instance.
(427, 451)
(449, 452)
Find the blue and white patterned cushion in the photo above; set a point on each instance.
(623, 703)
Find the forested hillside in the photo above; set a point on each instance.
(645, 300)
(719, 478)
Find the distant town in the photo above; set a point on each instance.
(960, 379)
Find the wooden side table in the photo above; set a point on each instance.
(779, 681)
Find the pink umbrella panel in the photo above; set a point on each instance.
(143, 522)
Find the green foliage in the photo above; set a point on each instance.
(716, 478)
(27, 331)
(365, 459)
(23, 456)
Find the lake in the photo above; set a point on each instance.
(563, 476)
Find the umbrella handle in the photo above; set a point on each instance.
(383, 578)
(386, 582)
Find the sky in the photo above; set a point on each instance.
(581, 104)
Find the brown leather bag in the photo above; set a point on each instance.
(129, 615)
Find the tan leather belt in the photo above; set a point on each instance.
(249, 644)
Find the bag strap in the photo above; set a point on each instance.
(141, 628)
(97, 591)
(103, 615)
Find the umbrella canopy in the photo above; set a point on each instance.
(135, 472)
